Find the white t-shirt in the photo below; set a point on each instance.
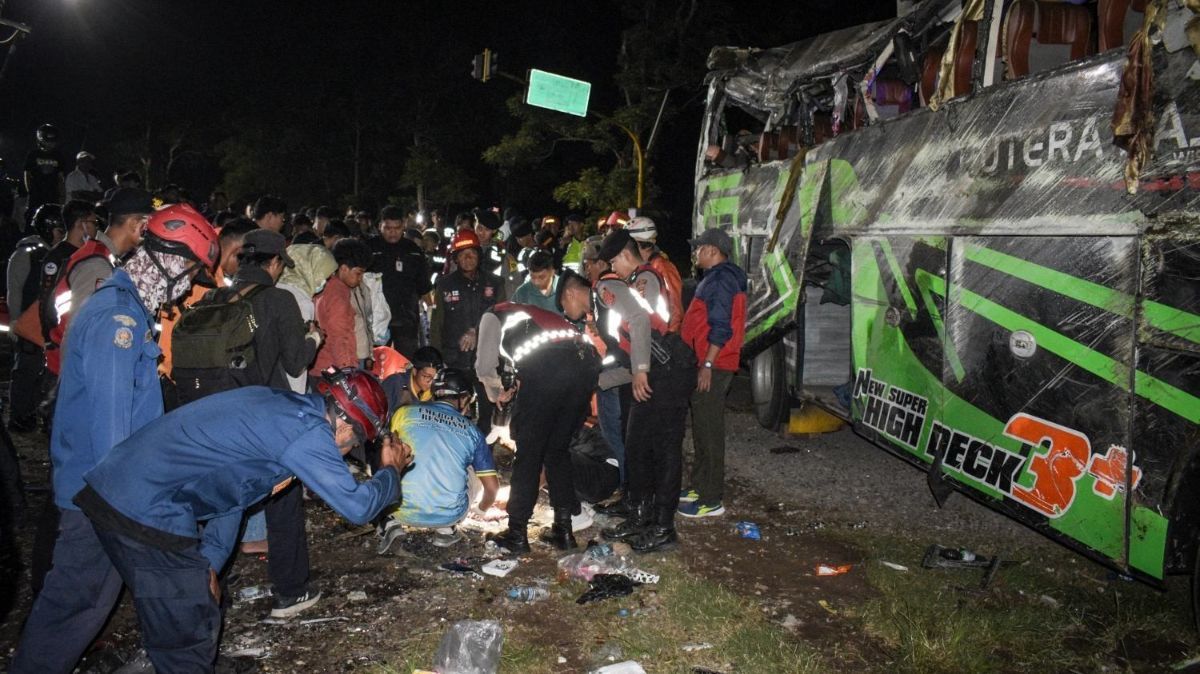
(79, 181)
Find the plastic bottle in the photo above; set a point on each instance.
(962, 555)
(528, 594)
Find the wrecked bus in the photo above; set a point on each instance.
(973, 232)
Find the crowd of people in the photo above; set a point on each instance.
(201, 368)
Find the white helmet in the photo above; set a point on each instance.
(642, 228)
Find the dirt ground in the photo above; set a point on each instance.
(832, 500)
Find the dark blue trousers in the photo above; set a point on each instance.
(178, 616)
(78, 595)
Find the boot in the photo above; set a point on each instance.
(632, 526)
(559, 535)
(660, 534)
(514, 539)
(618, 508)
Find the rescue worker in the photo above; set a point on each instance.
(24, 266)
(491, 248)
(664, 376)
(572, 243)
(460, 300)
(146, 505)
(538, 347)
(108, 389)
(406, 277)
(645, 232)
(80, 220)
(412, 384)
(128, 211)
(446, 446)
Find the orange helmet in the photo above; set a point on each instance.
(463, 240)
(388, 362)
(180, 230)
(617, 219)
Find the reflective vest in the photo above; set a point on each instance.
(662, 304)
(614, 328)
(526, 331)
(62, 299)
(672, 288)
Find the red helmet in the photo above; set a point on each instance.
(359, 399)
(617, 219)
(180, 230)
(464, 239)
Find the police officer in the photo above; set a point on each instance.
(108, 389)
(555, 368)
(491, 255)
(645, 232)
(460, 300)
(664, 375)
(23, 276)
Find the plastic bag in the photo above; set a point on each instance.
(586, 565)
(607, 586)
(470, 647)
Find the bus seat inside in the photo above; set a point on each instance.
(1040, 35)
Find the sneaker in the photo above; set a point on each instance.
(286, 607)
(444, 538)
(392, 531)
(698, 509)
(688, 496)
(584, 519)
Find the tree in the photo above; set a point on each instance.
(662, 51)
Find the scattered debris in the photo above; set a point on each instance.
(1184, 664)
(627, 667)
(791, 622)
(692, 648)
(830, 570)
(609, 652)
(499, 567)
(825, 605)
(356, 596)
(470, 647)
(938, 557)
(254, 592)
(317, 621)
(785, 449)
(256, 653)
(586, 565)
(893, 566)
(1048, 601)
(528, 594)
(748, 530)
(608, 585)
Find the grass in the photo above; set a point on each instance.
(1058, 613)
(680, 610)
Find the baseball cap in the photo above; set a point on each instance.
(614, 243)
(129, 201)
(267, 242)
(714, 237)
(84, 154)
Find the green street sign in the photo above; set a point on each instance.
(555, 92)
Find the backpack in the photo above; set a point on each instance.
(212, 344)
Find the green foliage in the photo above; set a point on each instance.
(442, 181)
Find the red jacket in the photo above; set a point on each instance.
(717, 315)
(335, 314)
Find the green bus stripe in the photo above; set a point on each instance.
(1116, 373)
(724, 182)
(1160, 316)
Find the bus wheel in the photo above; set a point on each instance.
(768, 385)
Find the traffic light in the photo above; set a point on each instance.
(484, 66)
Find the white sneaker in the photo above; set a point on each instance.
(446, 536)
(584, 519)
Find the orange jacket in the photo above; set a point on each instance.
(672, 286)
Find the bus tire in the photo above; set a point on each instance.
(768, 386)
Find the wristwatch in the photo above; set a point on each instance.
(708, 364)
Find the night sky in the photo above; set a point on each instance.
(98, 68)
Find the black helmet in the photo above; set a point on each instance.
(47, 136)
(451, 383)
(46, 219)
(427, 356)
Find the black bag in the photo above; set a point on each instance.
(212, 345)
(593, 467)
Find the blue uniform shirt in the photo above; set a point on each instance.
(210, 459)
(444, 444)
(108, 387)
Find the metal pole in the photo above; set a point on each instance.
(641, 160)
(657, 119)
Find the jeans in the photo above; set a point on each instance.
(287, 563)
(608, 405)
(74, 604)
